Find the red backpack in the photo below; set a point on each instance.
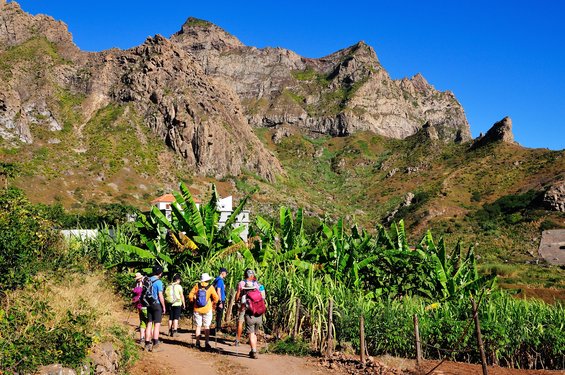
(255, 303)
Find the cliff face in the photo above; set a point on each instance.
(339, 94)
(200, 91)
(199, 119)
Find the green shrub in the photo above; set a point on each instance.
(290, 346)
(27, 239)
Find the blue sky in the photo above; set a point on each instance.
(500, 58)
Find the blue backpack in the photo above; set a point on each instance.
(201, 299)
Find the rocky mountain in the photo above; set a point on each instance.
(345, 92)
(199, 119)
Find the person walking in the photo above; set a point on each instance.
(253, 298)
(175, 298)
(142, 310)
(202, 295)
(221, 291)
(155, 311)
(249, 276)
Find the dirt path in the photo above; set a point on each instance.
(179, 356)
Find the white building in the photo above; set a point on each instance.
(225, 206)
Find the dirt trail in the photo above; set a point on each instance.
(179, 356)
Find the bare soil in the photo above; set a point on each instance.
(179, 356)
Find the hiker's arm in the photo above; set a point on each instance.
(215, 296)
(191, 294)
(219, 292)
(182, 299)
(162, 300)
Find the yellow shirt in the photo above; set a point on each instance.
(211, 295)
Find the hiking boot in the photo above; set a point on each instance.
(207, 347)
(236, 343)
(253, 354)
(148, 346)
(171, 333)
(197, 344)
(157, 347)
(175, 334)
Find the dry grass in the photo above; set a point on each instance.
(84, 294)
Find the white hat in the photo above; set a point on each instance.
(138, 276)
(205, 277)
(250, 285)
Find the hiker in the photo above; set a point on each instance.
(142, 310)
(249, 275)
(221, 291)
(253, 298)
(175, 299)
(155, 310)
(202, 295)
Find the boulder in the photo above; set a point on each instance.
(554, 197)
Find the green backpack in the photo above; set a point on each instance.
(170, 295)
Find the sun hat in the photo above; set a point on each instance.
(205, 277)
(138, 276)
(250, 285)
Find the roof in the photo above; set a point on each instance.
(552, 246)
(169, 198)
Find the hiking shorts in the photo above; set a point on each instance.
(142, 318)
(174, 312)
(203, 319)
(253, 323)
(155, 313)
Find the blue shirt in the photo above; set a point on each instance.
(157, 287)
(220, 284)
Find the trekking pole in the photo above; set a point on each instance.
(193, 333)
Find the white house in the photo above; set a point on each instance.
(225, 206)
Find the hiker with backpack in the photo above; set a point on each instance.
(253, 300)
(249, 275)
(142, 310)
(221, 291)
(202, 295)
(152, 297)
(175, 299)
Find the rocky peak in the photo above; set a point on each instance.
(17, 26)
(197, 34)
(499, 132)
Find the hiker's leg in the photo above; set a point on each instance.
(198, 321)
(206, 335)
(157, 321)
(240, 320)
(175, 325)
(253, 341)
(149, 331)
(206, 321)
(219, 315)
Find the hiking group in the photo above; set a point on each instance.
(152, 301)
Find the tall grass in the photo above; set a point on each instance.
(516, 333)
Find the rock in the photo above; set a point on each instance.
(56, 369)
(499, 132)
(342, 93)
(105, 359)
(554, 197)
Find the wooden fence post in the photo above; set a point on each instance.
(297, 322)
(330, 330)
(417, 336)
(362, 339)
(479, 337)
